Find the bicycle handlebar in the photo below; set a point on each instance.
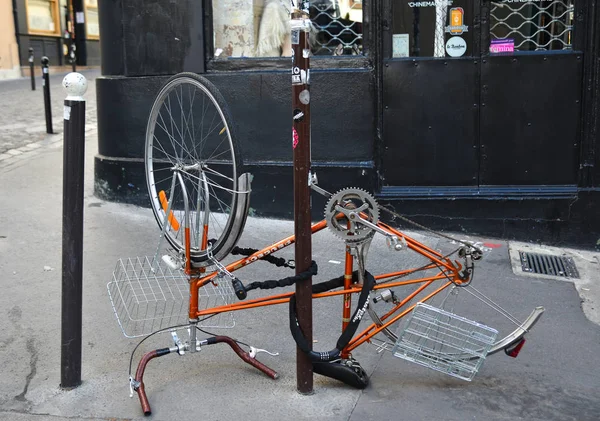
(243, 354)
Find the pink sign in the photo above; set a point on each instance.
(294, 138)
(502, 46)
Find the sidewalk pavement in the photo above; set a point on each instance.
(554, 378)
(23, 119)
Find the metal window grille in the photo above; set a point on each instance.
(534, 25)
(335, 32)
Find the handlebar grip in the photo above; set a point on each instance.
(139, 376)
(143, 400)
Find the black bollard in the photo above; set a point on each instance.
(72, 234)
(46, 85)
(72, 55)
(31, 69)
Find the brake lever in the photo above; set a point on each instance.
(254, 351)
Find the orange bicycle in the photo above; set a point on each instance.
(200, 195)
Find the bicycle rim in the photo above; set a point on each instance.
(483, 304)
(189, 139)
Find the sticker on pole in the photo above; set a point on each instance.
(304, 97)
(456, 47)
(295, 138)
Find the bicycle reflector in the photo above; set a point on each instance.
(514, 349)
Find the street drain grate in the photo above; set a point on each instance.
(548, 264)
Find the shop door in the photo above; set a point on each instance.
(479, 97)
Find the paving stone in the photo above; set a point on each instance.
(22, 121)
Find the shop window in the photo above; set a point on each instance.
(260, 28)
(531, 25)
(440, 28)
(42, 17)
(91, 13)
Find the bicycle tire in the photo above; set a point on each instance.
(203, 162)
(469, 301)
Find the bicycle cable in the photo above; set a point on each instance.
(432, 231)
(176, 327)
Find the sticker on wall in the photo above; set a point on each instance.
(304, 97)
(294, 138)
(400, 43)
(457, 26)
(295, 36)
(499, 46)
(456, 47)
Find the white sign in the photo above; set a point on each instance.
(79, 17)
(456, 47)
(400, 45)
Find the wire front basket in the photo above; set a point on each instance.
(147, 296)
(445, 342)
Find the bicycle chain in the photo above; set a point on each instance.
(313, 183)
(423, 227)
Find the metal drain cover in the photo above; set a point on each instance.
(548, 264)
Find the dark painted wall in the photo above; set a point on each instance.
(52, 48)
(260, 104)
(144, 42)
(151, 37)
(42, 46)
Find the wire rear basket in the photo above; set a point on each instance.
(445, 342)
(147, 297)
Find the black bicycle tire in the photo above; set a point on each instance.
(199, 257)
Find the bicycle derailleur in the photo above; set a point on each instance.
(469, 254)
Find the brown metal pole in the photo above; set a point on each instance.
(302, 222)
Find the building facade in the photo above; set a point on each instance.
(51, 26)
(9, 54)
(465, 114)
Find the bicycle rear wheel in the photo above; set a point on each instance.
(192, 154)
(472, 302)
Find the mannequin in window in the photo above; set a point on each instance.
(274, 34)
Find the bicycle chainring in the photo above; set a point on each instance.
(342, 214)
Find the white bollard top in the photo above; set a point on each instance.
(76, 85)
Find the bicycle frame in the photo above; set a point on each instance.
(449, 271)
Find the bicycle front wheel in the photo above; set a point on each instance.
(192, 158)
